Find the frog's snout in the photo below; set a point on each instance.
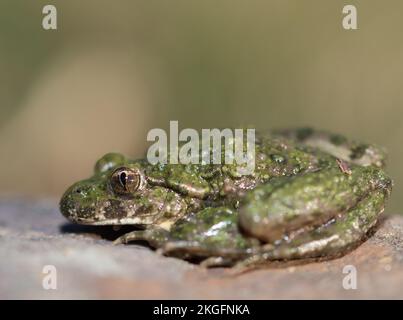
(77, 203)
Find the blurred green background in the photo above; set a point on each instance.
(115, 69)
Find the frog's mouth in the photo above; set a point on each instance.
(111, 222)
(78, 209)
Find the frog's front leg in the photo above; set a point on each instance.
(211, 234)
(317, 214)
(155, 236)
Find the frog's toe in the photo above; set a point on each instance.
(174, 247)
(156, 237)
(131, 236)
(215, 262)
(159, 251)
(120, 240)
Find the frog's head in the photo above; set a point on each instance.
(120, 193)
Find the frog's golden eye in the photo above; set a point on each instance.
(125, 180)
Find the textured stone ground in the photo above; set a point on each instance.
(34, 234)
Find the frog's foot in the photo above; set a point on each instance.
(213, 256)
(330, 240)
(190, 249)
(214, 262)
(156, 237)
(175, 247)
(131, 236)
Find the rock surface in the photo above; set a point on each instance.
(33, 234)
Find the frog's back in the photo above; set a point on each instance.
(283, 153)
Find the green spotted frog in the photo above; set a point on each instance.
(312, 194)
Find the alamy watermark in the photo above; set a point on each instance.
(350, 279)
(49, 281)
(349, 19)
(215, 146)
(49, 20)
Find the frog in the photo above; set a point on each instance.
(313, 195)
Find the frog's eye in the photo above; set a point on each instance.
(125, 180)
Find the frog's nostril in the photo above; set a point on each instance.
(78, 190)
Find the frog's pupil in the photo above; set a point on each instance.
(122, 179)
